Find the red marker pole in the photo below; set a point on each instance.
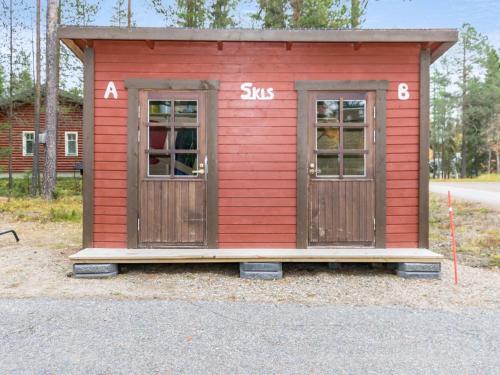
(453, 244)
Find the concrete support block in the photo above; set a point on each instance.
(334, 266)
(418, 275)
(95, 271)
(419, 267)
(419, 270)
(261, 271)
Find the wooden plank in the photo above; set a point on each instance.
(423, 214)
(88, 148)
(122, 255)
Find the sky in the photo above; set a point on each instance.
(484, 15)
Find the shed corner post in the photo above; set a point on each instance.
(88, 148)
(212, 178)
(302, 156)
(380, 167)
(423, 188)
(132, 166)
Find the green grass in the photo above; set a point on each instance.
(476, 230)
(491, 177)
(66, 187)
(65, 209)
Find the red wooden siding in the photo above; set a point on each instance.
(69, 120)
(256, 139)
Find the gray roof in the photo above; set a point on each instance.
(438, 40)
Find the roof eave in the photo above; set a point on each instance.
(443, 38)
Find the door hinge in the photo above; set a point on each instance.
(139, 111)
(374, 224)
(374, 112)
(374, 135)
(138, 224)
(139, 136)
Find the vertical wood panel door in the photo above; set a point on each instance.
(341, 186)
(172, 169)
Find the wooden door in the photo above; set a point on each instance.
(341, 186)
(172, 169)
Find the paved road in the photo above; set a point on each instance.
(487, 193)
(40, 336)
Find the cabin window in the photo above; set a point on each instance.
(341, 138)
(28, 143)
(173, 138)
(71, 143)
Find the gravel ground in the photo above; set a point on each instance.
(167, 337)
(37, 267)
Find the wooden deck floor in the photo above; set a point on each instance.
(346, 255)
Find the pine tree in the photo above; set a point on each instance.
(52, 51)
(184, 13)
(119, 16)
(219, 14)
(272, 14)
(471, 46)
(79, 13)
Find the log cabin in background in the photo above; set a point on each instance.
(256, 146)
(69, 134)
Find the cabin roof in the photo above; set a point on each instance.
(28, 97)
(437, 40)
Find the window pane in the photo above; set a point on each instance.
(29, 146)
(354, 111)
(186, 138)
(72, 147)
(30, 136)
(186, 111)
(354, 139)
(327, 165)
(354, 165)
(159, 110)
(185, 164)
(328, 138)
(158, 138)
(159, 165)
(71, 136)
(327, 111)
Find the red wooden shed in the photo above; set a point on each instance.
(244, 145)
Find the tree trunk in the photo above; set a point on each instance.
(11, 103)
(129, 14)
(35, 175)
(498, 161)
(52, 51)
(463, 171)
(296, 10)
(355, 14)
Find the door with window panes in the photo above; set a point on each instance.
(341, 188)
(172, 169)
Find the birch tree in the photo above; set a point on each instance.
(52, 52)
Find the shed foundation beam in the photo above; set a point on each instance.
(261, 271)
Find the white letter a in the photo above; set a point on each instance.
(111, 89)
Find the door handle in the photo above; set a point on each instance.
(312, 169)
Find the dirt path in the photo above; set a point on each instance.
(38, 265)
(487, 193)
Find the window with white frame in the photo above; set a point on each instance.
(71, 143)
(28, 143)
